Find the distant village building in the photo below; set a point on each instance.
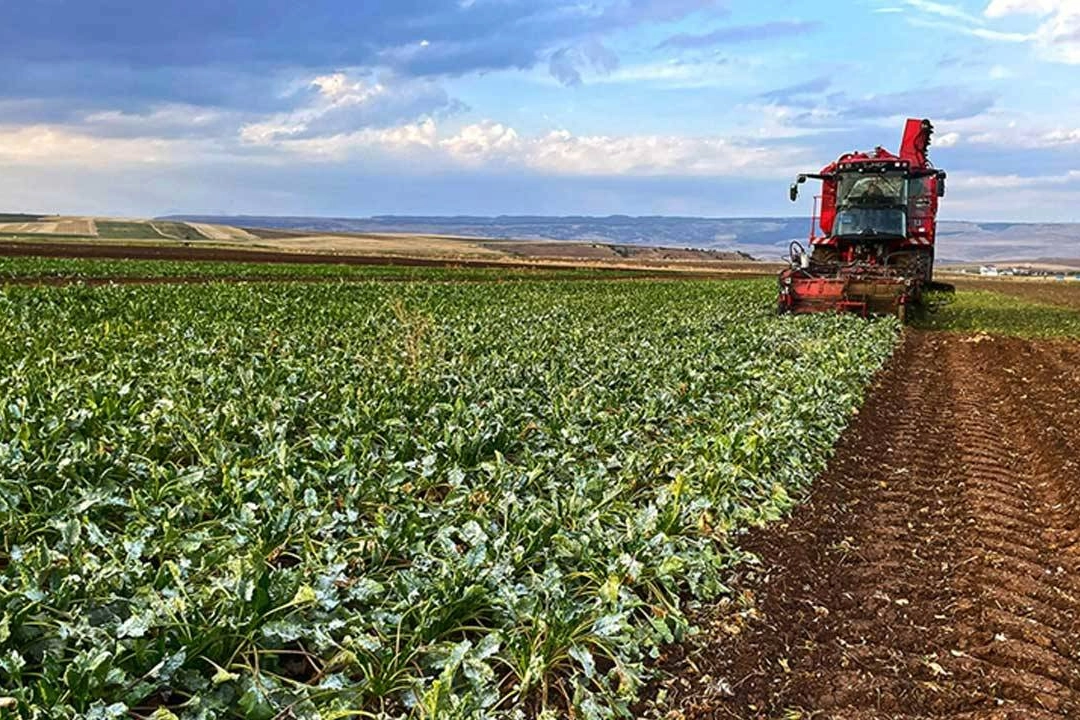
(989, 270)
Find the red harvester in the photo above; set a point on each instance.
(877, 215)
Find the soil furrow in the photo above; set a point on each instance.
(932, 574)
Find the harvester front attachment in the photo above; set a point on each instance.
(808, 287)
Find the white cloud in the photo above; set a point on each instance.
(947, 140)
(951, 17)
(261, 133)
(1061, 137)
(742, 70)
(979, 32)
(341, 104)
(996, 35)
(967, 181)
(672, 73)
(559, 152)
(1027, 137)
(338, 89)
(1009, 196)
(1001, 8)
(564, 152)
(334, 92)
(419, 135)
(163, 119)
(1058, 36)
(1013, 133)
(315, 132)
(944, 10)
(775, 120)
(476, 143)
(57, 146)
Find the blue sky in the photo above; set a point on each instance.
(670, 107)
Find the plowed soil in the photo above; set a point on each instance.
(56, 227)
(934, 571)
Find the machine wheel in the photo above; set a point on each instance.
(825, 255)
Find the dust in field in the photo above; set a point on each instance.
(933, 574)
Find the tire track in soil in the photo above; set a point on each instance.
(933, 573)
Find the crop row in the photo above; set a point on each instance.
(408, 500)
(92, 268)
(981, 311)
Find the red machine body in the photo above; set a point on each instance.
(872, 233)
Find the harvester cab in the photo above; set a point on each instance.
(872, 232)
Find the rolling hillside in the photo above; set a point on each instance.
(577, 238)
(763, 238)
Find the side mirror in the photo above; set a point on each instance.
(794, 192)
(941, 184)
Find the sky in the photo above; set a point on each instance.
(528, 107)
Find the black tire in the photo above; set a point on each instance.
(825, 255)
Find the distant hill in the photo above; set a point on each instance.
(763, 238)
(18, 232)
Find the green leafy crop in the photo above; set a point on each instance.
(413, 500)
(1000, 314)
(90, 268)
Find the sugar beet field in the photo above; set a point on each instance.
(418, 500)
(547, 498)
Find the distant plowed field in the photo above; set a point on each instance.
(56, 227)
(177, 231)
(222, 232)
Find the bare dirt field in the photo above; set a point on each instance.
(426, 246)
(50, 227)
(934, 572)
(223, 232)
